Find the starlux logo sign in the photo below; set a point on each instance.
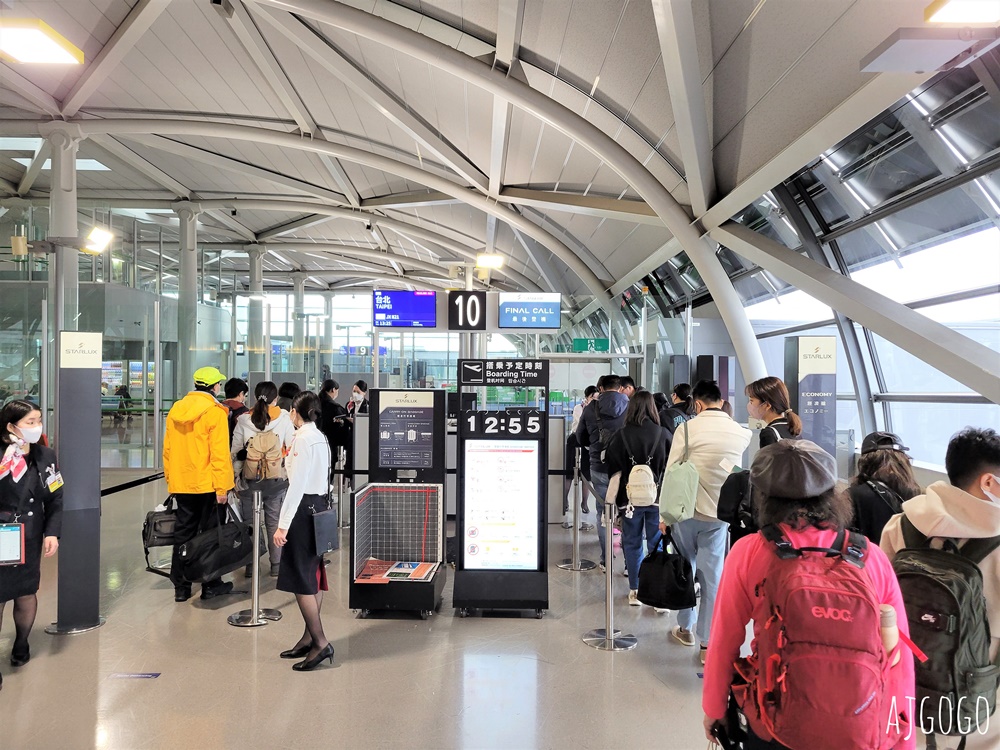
(81, 350)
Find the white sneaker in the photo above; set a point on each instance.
(601, 566)
(703, 655)
(682, 636)
(633, 598)
(660, 611)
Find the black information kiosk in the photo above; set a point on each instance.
(397, 519)
(502, 496)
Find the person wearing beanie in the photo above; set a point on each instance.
(198, 471)
(794, 481)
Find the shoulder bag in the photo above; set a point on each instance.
(666, 579)
(217, 551)
(326, 528)
(679, 491)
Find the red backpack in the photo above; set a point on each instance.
(817, 677)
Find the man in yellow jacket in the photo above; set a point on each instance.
(198, 471)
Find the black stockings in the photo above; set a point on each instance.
(25, 608)
(309, 606)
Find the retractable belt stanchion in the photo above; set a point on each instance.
(251, 618)
(607, 638)
(575, 563)
(343, 519)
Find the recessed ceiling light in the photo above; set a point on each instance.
(82, 165)
(31, 40)
(963, 11)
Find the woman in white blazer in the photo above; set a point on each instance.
(302, 572)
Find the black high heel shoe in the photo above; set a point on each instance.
(296, 653)
(310, 664)
(20, 658)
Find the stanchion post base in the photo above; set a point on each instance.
(584, 565)
(598, 639)
(55, 629)
(245, 618)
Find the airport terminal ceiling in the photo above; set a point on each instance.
(599, 146)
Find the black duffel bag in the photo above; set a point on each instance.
(217, 551)
(158, 531)
(666, 580)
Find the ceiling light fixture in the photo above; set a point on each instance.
(487, 260)
(31, 40)
(97, 241)
(963, 11)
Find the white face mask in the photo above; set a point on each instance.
(358, 397)
(31, 434)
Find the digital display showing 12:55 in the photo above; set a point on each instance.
(507, 424)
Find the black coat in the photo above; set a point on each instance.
(333, 422)
(41, 514)
(776, 430)
(873, 507)
(612, 407)
(636, 444)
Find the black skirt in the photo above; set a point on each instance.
(23, 580)
(302, 570)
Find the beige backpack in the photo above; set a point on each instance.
(265, 457)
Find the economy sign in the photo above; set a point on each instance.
(811, 377)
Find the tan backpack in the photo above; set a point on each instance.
(265, 457)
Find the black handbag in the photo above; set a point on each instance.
(216, 551)
(158, 531)
(666, 580)
(325, 529)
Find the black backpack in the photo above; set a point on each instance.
(234, 415)
(943, 593)
(736, 506)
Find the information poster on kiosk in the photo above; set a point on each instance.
(501, 504)
(406, 429)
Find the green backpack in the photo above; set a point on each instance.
(943, 593)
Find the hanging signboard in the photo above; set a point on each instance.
(591, 345)
(516, 373)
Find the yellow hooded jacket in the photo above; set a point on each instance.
(196, 446)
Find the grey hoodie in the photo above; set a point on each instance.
(612, 405)
(947, 511)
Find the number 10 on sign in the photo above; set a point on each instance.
(466, 311)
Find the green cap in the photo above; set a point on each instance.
(208, 376)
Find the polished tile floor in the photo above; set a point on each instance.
(397, 682)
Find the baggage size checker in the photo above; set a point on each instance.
(12, 544)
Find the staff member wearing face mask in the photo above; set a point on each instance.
(30, 494)
(359, 399)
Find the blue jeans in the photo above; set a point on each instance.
(600, 481)
(643, 519)
(704, 544)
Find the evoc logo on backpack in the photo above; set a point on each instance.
(832, 613)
